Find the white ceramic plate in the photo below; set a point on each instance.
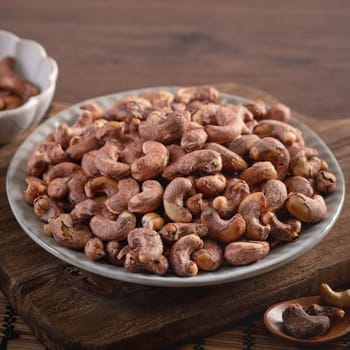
(280, 255)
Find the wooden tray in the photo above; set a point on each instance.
(72, 309)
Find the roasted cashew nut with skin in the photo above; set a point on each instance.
(94, 249)
(299, 184)
(180, 255)
(251, 208)
(101, 185)
(173, 231)
(275, 192)
(210, 257)
(194, 137)
(46, 208)
(211, 185)
(258, 173)
(85, 210)
(35, 188)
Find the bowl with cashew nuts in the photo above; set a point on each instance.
(175, 186)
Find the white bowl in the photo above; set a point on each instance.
(33, 64)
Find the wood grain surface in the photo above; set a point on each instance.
(71, 309)
(298, 50)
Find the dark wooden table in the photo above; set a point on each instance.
(297, 50)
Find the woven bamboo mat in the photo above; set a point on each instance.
(248, 335)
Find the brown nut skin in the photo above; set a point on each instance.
(257, 108)
(332, 312)
(147, 243)
(113, 249)
(44, 153)
(101, 185)
(299, 184)
(259, 172)
(196, 204)
(46, 208)
(206, 161)
(128, 188)
(106, 130)
(128, 108)
(211, 185)
(236, 191)
(247, 252)
(152, 163)
(58, 187)
(306, 209)
(326, 182)
(68, 234)
(85, 210)
(272, 150)
(194, 137)
(75, 184)
(35, 188)
(173, 231)
(108, 230)
(301, 325)
(287, 231)
(210, 257)
(88, 163)
(279, 112)
(275, 128)
(148, 200)
(79, 145)
(241, 145)
(230, 160)
(180, 255)
(152, 220)
(201, 93)
(106, 161)
(94, 249)
(164, 128)
(251, 208)
(275, 192)
(223, 230)
(331, 297)
(173, 199)
(61, 170)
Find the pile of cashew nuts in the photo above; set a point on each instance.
(165, 183)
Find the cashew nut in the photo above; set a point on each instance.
(299, 324)
(275, 192)
(223, 230)
(279, 112)
(127, 188)
(152, 220)
(257, 108)
(108, 230)
(211, 185)
(194, 137)
(299, 184)
(272, 150)
(332, 312)
(88, 163)
(64, 169)
(35, 188)
(101, 185)
(330, 297)
(175, 230)
(58, 187)
(196, 204)
(159, 100)
(241, 145)
(85, 210)
(152, 163)
(46, 208)
(106, 130)
(113, 249)
(173, 199)
(149, 199)
(79, 145)
(251, 208)
(326, 182)
(201, 93)
(94, 249)
(210, 257)
(306, 209)
(247, 252)
(259, 172)
(180, 255)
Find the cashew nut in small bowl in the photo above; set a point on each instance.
(46, 208)
(152, 163)
(245, 252)
(331, 297)
(258, 173)
(223, 230)
(101, 185)
(69, 234)
(173, 231)
(152, 220)
(127, 188)
(251, 209)
(275, 192)
(94, 249)
(236, 191)
(148, 200)
(201, 93)
(107, 229)
(211, 185)
(180, 255)
(299, 184)
(326, 182)
(286, 133)
(306, 209)
(210, 257)
(173, 200)
(272, 150)
(35, 187)
(230, 160)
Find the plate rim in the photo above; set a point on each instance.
(202, 279)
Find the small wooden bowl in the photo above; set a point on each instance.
(273, 322)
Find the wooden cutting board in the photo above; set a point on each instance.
(71, 309)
